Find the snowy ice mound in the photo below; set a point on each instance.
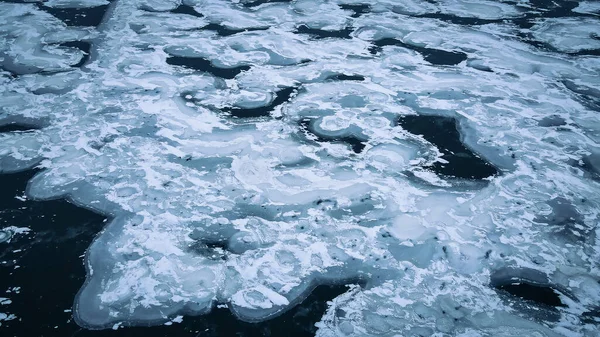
(442, 156)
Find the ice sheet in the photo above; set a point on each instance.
(245, 159)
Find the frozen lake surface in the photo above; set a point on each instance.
(299, 168)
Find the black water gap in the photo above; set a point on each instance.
(324, 34)
(90, 16)
(50, 267)
(586, 52)
(554, 8)
(542, 9)
(281, 97)
(592, 316)
(224, 31)
(51, 271)
(358, 9)
(433, 56)
(204, 65)
(355, 143)
(459, 20)
(17, 127)
(443, 133)
(84, 46)
(344, 77)
(262, 2)
(538, 294)
(189, 10)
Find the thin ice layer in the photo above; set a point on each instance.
(213, 206)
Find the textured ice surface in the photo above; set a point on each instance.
(7, 233)
(248, 151)
(5, 317)
(569, 34)
(588, 7)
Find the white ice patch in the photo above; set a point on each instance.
(6, 317)
(75, 3)
(461, 8)
(209, 208)
(569, 34)
(588, 7)
(7, 233)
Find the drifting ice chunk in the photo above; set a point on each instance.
(588, 7)
(391, 158)
(5, 235)
(465, 9)
(568, 34)
(159, 6)
(75, 3)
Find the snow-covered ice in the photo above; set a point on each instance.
(249, 151)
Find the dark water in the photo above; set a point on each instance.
(358, 9)
(542, 295)
(51, 272)
(81, 45)
(433, 56)
(443, 133)
(205, 65)
(344, 77)
(50, 267)
(281, 97)
(323, 34)
(189, 10)
(91, 16)
(260, 2)
(16, 127)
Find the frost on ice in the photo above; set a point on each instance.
(443, 155)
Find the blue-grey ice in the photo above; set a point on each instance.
(5, 235)
(222, 192)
